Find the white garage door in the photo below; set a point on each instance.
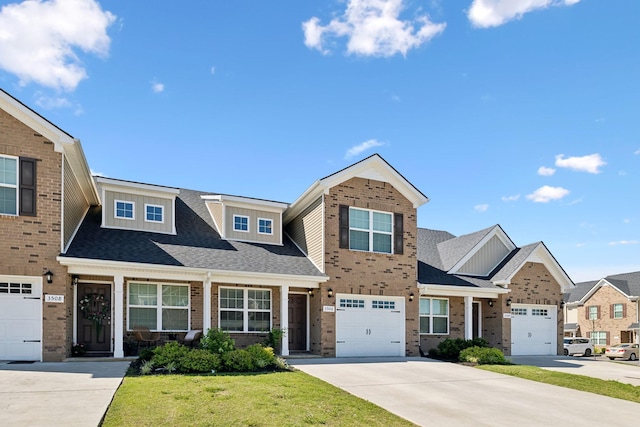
(20, 318)
(369, 326)
(533, 329)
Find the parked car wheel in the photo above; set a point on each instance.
(566, 352)
(632, 356)
(587, 352)
(611, 358)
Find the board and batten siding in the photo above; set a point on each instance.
(138, 223)
(75, 204)
(487, 258)
(252, 235)
(216, 213)
(306, 231)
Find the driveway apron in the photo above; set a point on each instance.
(58, 394)
(433, 393)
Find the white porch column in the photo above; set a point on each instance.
(118, 319)
(284, 319)
(206, 304)
(468, 318)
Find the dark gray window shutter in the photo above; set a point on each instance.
(398, 233)
(27, 186)
(344, 226)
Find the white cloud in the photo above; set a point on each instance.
(546, 193)
(481, 208)
(492, 13)
(52, 103)
(157, 87)
(39, 40)
(636, 152)
(544, 171)
(590, 163)
(373, 28)
(624, 242)
(354, 151)
(626, 220)
(510, 198)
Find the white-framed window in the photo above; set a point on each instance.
(593, 312)
(241, 223)
(153, 213)
(370, 231)
(8, 185)
(15, 288)
(434, 316)
(599, 337)
(158, 306)
(265, 226)
(124, 209)
(618, 311)
(245, 309)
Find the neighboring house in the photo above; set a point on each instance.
(605, 310)
(482, 285)
(344, 269)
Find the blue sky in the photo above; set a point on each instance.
(523, 113)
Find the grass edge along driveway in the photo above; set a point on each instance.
(266, 399)
(608, 388)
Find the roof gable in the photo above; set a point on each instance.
(477, 253)
(628, 284)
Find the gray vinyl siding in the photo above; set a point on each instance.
(486, 259)
(253, 235)
(216, 212)
(75, 205)
(306, 231)
(138, 223)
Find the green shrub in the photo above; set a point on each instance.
(483, 356)
(450, 349)
(146, 368)
(274, 339)
(170, 353)
(146, 354)
(217, 341)
(199, 360)
(261, 357)
(237, 361)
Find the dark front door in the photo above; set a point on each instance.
(297, 330)
(94, 318)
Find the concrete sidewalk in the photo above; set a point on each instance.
(433, 393)
(58, 394)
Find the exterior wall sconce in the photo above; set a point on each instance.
(490, 302)
(310, 291)
(330, 292)
(562, 304)
(74, 280)
(411, 297)
(48, 275)
(508, 301)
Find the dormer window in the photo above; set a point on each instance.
(241, 223)
(124, 209)
(265, 226)
(154, 213)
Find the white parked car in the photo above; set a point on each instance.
(582, 346)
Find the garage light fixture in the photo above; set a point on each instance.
(310, 291)
(561, 304)
(411, 297)
(490, 302)
(330, 292)
(508, 301)
(49, 275)
(74, 280)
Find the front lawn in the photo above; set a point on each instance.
(265, 399)
(608, 388)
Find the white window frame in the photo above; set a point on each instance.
(248, 223)
(150, 205)
(370, 231)
(593, 312)
(270, 226)
(133, 209)
(159, 305)
(15, 187)
(601, 336)
(621, 312)
(431, 316)
(245, 310)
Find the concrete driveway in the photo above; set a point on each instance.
(58, 394)
(433, 393)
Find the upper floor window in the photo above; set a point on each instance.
(240, 223)
(154, 213)
(618, 311)
(370, 230)
(265, 226)
(124, 210)
(593, 312)
(8, 185)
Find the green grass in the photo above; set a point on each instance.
(577, 382)
(270, 399)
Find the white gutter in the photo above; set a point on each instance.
(460, 291)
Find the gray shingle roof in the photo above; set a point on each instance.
(452, 250)
(196, 245)
(629, 283)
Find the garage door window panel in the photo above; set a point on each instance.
(434, 316)
(245, 310)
